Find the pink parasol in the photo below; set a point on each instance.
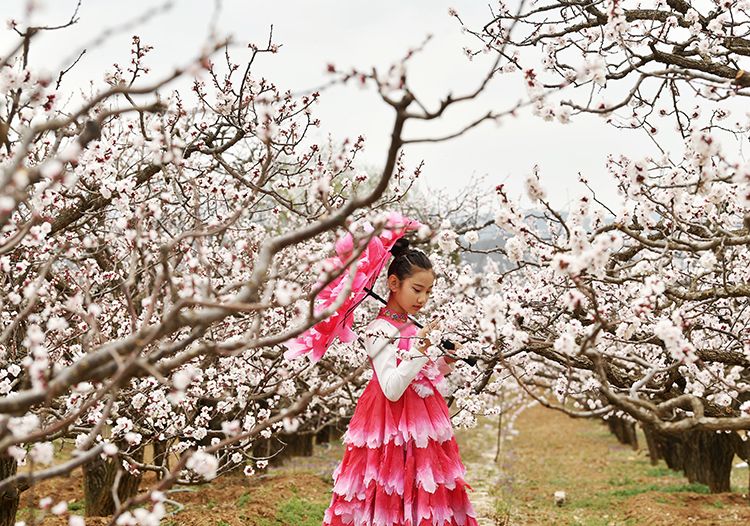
(315, 341)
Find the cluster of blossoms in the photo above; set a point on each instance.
(644, 304)
(617, 54)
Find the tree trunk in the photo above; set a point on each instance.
(330, 432)
(624, 430)
(671, 450)
(651, 443)
(703, 456)
(499, 444)
(692, 459)
(710, 458)
(308, 444)
(338, 429)
(298, 445)
(324, 435)
(742, 450)
(98, 480)
(268, 448)
(631, 433)
(161, 455)
(8, 498)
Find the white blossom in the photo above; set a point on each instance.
(471, 237)
(42, 453)
(203, 464)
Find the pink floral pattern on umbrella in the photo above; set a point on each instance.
(315, 341)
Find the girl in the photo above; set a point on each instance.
(401, 466)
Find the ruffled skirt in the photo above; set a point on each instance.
(401, 466)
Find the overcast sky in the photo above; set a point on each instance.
(362, 34)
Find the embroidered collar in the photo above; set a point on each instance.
(393, 315)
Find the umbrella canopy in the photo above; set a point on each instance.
(315, 341)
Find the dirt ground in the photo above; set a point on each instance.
(274, 499)
(605, 484)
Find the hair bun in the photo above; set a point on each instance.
(400, 247)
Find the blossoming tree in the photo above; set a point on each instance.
(155, 250)
(635, 309)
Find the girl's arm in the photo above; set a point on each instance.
(393, 378)
(444, 365)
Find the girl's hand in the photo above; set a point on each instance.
(429, 327)
(456, 346)
(424, 331)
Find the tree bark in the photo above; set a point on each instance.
(671, 450)
(703, 456)
(324, 435)
(161, 455)
(651, 443)
(624, 430)
(298, 444)
(709, 458)
(742, 450)
(8, 498)
(99, 479)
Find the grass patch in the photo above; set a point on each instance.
(243, 500)
(655, 488)
(627, 488)
(630, 492)
(597, 502)
(300, 512)
(681, 488)
(624, 481)
(77, 505)
(302, 508)
(600, 521)
(502, 512)
(662, 471)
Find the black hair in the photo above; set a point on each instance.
(405, 260)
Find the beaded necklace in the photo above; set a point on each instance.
(390, 313)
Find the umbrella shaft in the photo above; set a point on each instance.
(381, 300)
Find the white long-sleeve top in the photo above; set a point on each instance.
(381, 342)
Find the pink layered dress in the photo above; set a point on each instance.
(402, 465)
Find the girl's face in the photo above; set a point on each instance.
(412, 293)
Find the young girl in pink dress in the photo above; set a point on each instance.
(401, 466)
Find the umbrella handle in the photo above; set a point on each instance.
(446, 344)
